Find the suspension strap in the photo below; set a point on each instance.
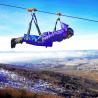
(58, 19)
(30, 24)
(36, 24)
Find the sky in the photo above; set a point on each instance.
(14, 23)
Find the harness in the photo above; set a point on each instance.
(34, 19)
(36, 24)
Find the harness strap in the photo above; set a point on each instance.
(30, 24)
(36, 24)
(58, 19)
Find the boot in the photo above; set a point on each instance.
(15, 41)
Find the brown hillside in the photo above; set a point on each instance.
(19, 93)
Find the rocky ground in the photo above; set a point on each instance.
(64, 84)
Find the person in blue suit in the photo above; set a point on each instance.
(47, 38)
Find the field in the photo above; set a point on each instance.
(64, 84)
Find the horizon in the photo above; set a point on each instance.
(32, 56)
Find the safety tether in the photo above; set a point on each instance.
(58, 20)
(36, 24)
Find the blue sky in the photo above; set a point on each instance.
(14, 22)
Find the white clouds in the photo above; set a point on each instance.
(4, 43)
(27, 52)
(68, 44)
(28, 57)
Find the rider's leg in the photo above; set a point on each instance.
(39, 39)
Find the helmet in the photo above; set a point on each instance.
(70, 32)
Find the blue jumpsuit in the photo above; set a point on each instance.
(47, 38)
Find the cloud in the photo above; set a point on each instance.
(69, 44)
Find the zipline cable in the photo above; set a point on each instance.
(59, 14)
(13, 6)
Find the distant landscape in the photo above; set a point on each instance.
(63, 73)
(77, 59)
